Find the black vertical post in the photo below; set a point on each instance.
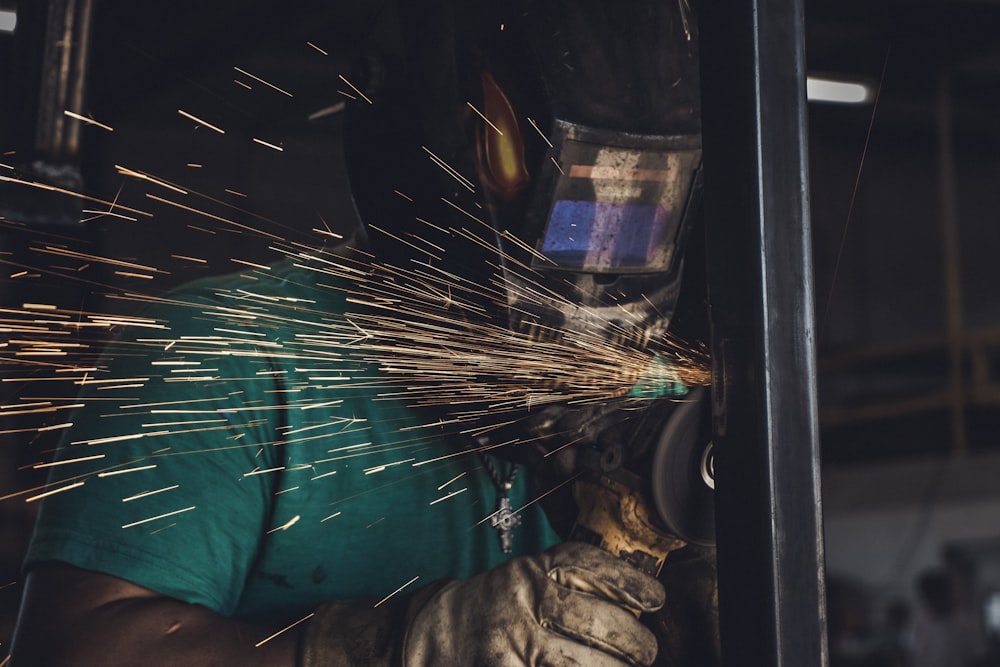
(770, 549)
(51, 55)
(58, 35)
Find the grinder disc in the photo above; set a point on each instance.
(683, 473)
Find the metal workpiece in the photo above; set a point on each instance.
(766, 449)
(66, 55)
(52, 52)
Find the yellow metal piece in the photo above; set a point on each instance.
(616, 518)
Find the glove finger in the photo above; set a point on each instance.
(588, 569)
(559, 651)
(605, 626)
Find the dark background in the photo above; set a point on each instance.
(908, 334)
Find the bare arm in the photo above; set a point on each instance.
(572, 604)
(71, 616)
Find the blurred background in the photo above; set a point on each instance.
(905, 198)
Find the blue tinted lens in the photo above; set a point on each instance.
(603, 236)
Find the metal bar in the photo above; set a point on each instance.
(770, 549)
(951, 251)
(51, 56)
(913, 405)
(64, 70)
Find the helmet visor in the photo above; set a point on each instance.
(616, 210)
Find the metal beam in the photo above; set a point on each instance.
(52, 52)
(770, 550)
(952, 259)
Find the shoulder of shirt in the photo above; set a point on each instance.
(294, 280)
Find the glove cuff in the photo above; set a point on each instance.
(356, 633)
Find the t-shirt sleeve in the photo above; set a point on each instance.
(161, 479)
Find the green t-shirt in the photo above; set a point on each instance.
(232, 456)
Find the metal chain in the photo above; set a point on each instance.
(502, 484)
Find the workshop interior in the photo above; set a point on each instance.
(246, 104)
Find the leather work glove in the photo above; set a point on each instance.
(570, 605)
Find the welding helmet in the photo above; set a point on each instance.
(547, 151)
(545, 155)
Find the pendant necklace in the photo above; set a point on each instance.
(504, 519)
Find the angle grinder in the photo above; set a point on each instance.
(641, 501)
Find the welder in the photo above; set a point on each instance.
(230, 520)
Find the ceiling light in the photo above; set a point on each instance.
(8, 20)
(834, 91)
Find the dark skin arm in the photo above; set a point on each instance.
(71, 616)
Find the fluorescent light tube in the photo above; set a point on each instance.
(833, 91)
